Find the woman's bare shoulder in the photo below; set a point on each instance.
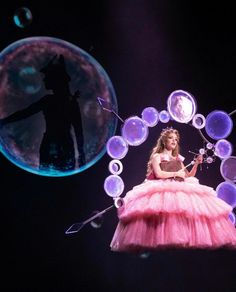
(156, 156)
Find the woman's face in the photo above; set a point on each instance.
(171, 141)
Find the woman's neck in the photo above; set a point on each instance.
(166, 151)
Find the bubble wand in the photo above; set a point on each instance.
(76, 227)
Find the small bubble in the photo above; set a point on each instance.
(22, 17)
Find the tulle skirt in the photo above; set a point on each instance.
(160, 214)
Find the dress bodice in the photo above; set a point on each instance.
(169, 164)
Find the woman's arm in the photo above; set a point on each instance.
(22, 114)
(156, 160)
(193, 171)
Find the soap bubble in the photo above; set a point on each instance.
(199, 121)
(150, 116)
(218, 125)
(134, 131)
(232, 217)
(228, 168)
(22, 17)
(48, 94)
(223, 148)
(164, 116)
(181, 106)
(227, 192)
(115, 167)
(117, 147)
(114, 185)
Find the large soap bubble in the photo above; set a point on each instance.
(228, 168)
(218, 125)
(181, 106)
(51, 122)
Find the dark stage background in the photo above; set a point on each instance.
(149, 49)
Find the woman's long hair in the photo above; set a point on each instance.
(161, 144)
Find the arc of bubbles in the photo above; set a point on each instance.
(74, 228)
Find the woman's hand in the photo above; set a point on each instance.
(199, 159)
(180, 173)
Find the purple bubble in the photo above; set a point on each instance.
(227, 192)
(150, 116)
(209, 159)
(118, 202)
(218, 125)
(117, 147)
(164, 116)
(228, 168)
(134, 131)
(199, 121)
(115, 167)
(223, 148)
(209, 146)
(232, 217)
(114, 186)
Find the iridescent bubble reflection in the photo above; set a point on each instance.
(38, 76)
(22, 17)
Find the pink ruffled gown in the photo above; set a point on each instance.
(169, 213)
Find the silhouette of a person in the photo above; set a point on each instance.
(62, 113)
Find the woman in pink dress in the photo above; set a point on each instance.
(170, 209)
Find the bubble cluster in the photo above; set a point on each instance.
(182, 108)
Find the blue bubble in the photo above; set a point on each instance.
(228, 168)
(28, 80)
(227, 192)
(218, 125)
(22, 17)
(223, 148)
(164, 116)
(51, 122)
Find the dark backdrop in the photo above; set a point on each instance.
(148, 48)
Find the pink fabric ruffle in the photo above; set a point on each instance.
(165, 213)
